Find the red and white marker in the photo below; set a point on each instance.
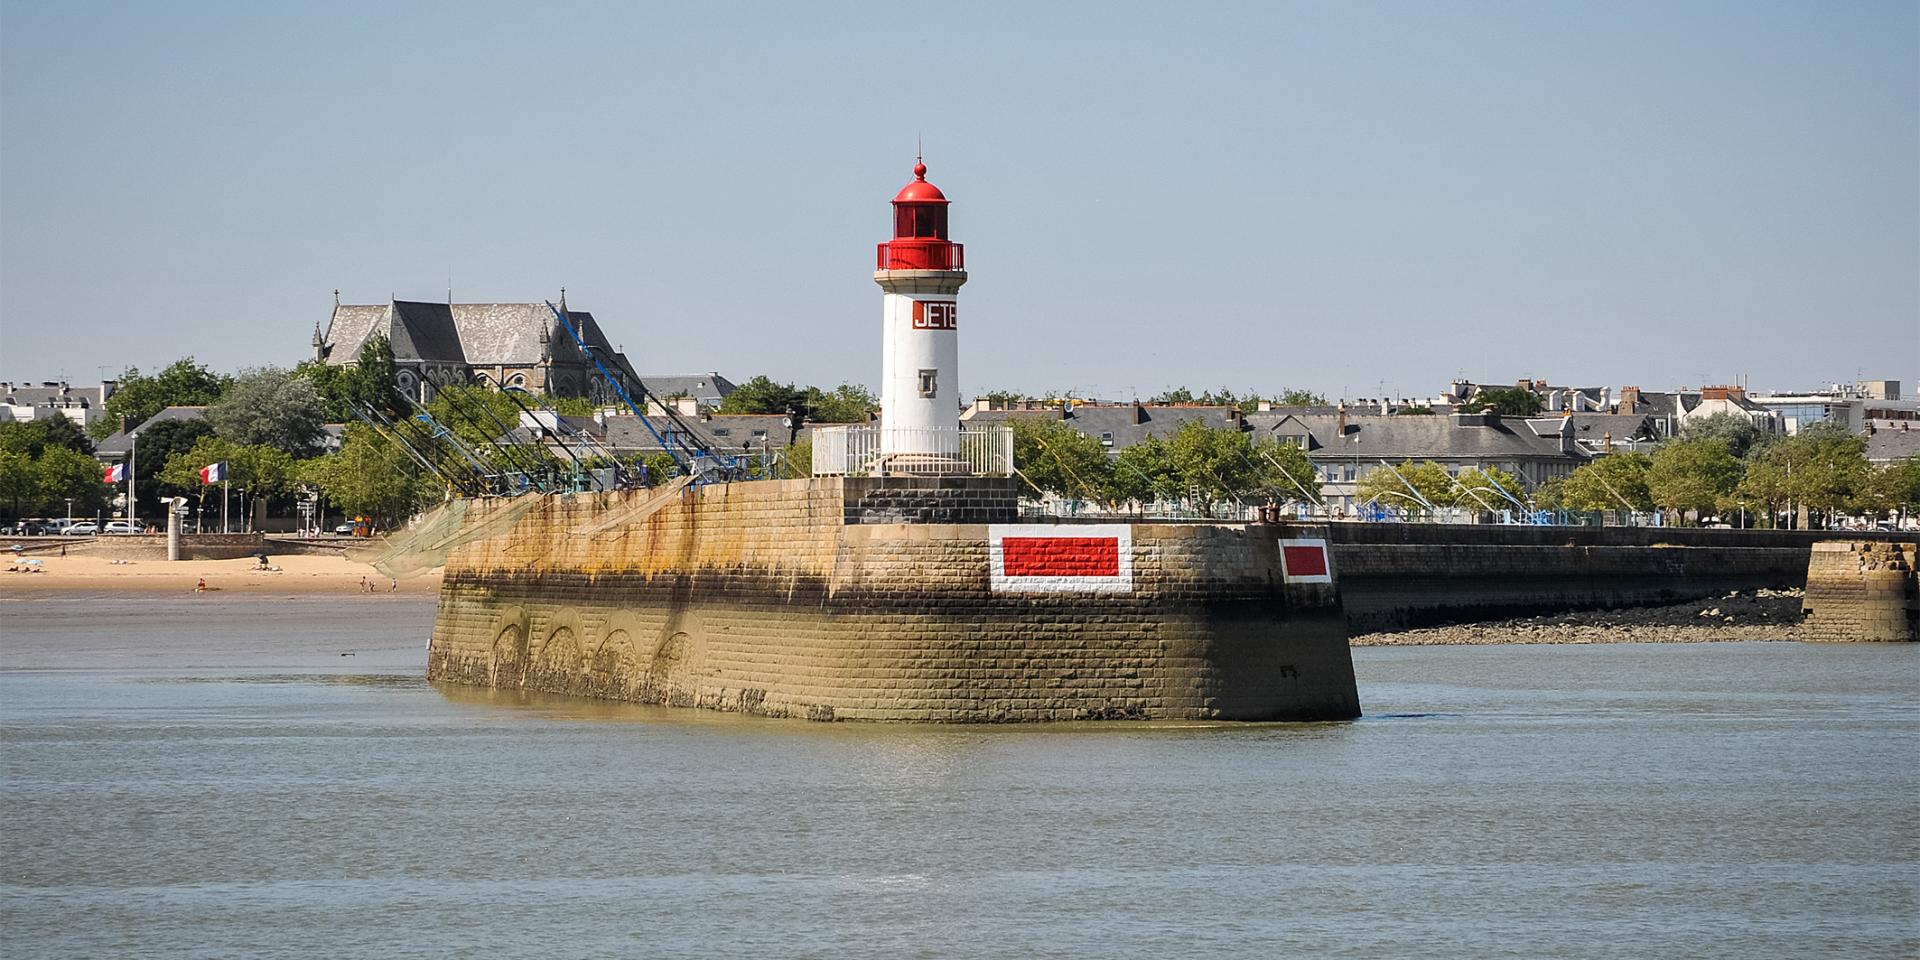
(1305, 561)
(1060, 558)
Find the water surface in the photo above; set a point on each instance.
(272, 778)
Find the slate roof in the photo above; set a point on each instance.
(116, 446)
(477, 334)
(42, 395)
(1888, 445)
(1123, 423)
(730, 433)
(708, 388)
(1594, 427)
(1397, 438)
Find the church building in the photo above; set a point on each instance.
(499, 344)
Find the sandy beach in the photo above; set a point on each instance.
(295, 576)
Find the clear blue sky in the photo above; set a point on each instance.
(1328, 195)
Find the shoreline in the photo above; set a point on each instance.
(1761, 616)
(294, 575)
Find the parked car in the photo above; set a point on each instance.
(122, 526)
(343, 530)
(85, 528)
(29, 528)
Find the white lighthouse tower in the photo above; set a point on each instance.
(921, 271)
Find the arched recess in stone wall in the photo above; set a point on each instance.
(507, 655)
(624, 652)
(679, 658)
(562, 652)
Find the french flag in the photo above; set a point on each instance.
(213, 472)
(116, 473)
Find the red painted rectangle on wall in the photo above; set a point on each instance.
(1306, 561)
(1061, 556)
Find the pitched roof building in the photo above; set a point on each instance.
(506, 344)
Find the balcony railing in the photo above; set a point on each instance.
(874, 451)
(920, 255)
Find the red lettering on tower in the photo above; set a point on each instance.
(936, 315)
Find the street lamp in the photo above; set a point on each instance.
(69, 514)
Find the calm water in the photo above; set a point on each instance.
(216, 779)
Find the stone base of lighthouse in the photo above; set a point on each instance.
(894, 599)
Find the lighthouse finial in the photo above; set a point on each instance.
(919, 158)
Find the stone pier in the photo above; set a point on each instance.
(1861, 591)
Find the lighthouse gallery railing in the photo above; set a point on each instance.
(873, 451)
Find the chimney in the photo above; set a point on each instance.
(1606, 441)
(1385, 407)
(1265, 406)
(1713, 393)
(1629, 399)
(1341, 425)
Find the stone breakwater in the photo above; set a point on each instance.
(1737, 615)
(895, 599)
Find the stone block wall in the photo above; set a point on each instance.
(793, 598)
(1861, 591)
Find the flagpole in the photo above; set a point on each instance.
(224, 490)
(133, 457)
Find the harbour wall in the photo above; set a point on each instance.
(1396, 576)
(889, 599)
(1862, 591)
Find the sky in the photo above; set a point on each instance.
(1351, 198)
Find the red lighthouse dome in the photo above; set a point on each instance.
(920, 229)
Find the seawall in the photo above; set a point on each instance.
(893, 599)
(1398, 576)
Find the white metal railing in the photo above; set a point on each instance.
(875, 451)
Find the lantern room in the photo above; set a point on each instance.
(920, 229)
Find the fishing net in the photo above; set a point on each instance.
(424, 544)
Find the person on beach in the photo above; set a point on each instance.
(201, 587)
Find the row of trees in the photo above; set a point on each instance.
(1724, 466)
(1247, 402)
(1197, 465)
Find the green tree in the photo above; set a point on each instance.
(368, 477)
(1694, 476)
(1177, 395)
(1482, 488)
(18, 482)
(1417, 410)
(1738, 433)
(367, 381)
(1286, 472)
(31, 437)
(1762, 489)
(763, 395)
(1826, 467)
(270, 406)
(1061, 460)
(1506, 401)
(1617, 481)
(796, 461)
(1300, 398)
(62, 474)
(1407, 485)
(846, 403)
(1894, 488)
(1217, 465)
(1144, 473)
(1003, 398)
(182, 384)
(154, 445)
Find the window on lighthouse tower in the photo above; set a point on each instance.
(920, 222)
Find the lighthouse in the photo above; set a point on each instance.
(920, 272)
